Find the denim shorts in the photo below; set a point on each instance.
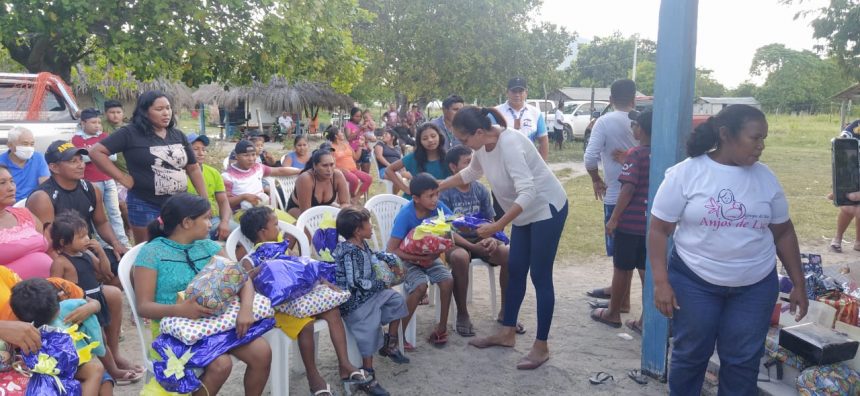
(610, 245)
(140, 212)
(417, 275)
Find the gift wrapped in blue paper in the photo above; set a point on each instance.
(54, 366)
(325, 238)
(468, 225)
(288, 277)
(174, 372)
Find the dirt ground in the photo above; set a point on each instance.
(580, 347)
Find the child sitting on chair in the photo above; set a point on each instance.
(260, 225)
(35, 300)
(421, 269)
(473, 199)
(77, 258)
(244, 180)
(371, 304)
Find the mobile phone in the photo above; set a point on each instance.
(846, 170)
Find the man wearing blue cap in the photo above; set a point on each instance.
(222, 215)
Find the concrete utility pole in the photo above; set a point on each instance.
(635, 53)
(673, 119)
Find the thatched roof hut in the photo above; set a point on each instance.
(276, 96)
(128, 89)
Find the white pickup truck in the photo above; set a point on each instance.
(55, 118)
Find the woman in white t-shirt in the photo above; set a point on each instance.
(533, 201)
(730, 221)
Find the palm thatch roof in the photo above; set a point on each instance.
(129, 88)
(276, 96)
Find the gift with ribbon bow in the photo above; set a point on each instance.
(53, 367)
(432, 236)
(325, 238)
(174, 371)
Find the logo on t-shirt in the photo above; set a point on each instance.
(168, 168)
(725, 210)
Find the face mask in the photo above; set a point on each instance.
(24, 152)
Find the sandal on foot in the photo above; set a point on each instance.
(600, 378)
(130, 377)
(424, 300)
(389, 349)
(598, 293)
(372, 387)
(520, 328)
(408, 347)
(438, 339)
(324, 391)
(594, 304)
(836, 245)
(597, 315)
(637, 377)
(357, 377)
(634, 325)
(465, 328)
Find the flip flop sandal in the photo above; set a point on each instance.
(465, 329)
(600, 378)
(438, 339)
(408, 347)
(129, 378)
(325, 391)
(598, 293)
(361, 375)
(632, 325)
(594, 304)
(637, 377)
(836, 246)
(520, 328)
(597, 315)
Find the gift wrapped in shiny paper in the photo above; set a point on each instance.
(54, 366)
(174, 372)
(467, 227)
(217, 283)
(286, 278)
(432, 236)
(325, 238)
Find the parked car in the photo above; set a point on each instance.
(56, 118)
(643, 103)
(578, 115)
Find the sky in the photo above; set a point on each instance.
(729, 30)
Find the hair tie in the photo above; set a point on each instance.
(160, 221)
(492, 119)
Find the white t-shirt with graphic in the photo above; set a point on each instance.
(722, 214)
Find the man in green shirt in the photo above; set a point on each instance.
(115, 119)
(222, 222)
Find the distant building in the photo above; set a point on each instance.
(711, 106)
(581, 93)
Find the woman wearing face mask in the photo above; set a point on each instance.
(28, 168)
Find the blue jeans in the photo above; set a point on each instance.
(216, 221)
(735, 318)
(110, 199)
(533, 248)
(608, 239)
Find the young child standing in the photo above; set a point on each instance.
(261, 225)
(76, 262)
(421, 269)
(627, 225)
(35, 300)
(473, 199)
(372, 303)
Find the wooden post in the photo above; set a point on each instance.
(673, 119)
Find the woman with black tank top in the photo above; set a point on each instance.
(320, 183)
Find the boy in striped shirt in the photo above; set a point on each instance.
(628, 222)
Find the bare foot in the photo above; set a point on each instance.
(498, 339)
(124, 364)
(534, 359)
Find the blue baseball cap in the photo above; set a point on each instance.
(193, 137)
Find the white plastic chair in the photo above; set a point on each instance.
(20, 204)
(236, 237)
(309, 221)
(226, 162)
(384, 207)
(286, 184)
(491, 275)
(279, 385)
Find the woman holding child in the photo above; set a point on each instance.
(180, 247)
(533, 201)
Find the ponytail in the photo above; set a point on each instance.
(317, 156)
(706, 137)
(471, 118)
(176, 209)
(703, 139)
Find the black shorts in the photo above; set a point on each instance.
(557, 135)
(629, 252)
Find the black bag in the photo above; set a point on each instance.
(817, 344)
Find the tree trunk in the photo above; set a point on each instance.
(38, 55)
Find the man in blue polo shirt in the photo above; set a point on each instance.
(28, 168)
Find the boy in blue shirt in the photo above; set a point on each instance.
(421, 269)
(473, 199)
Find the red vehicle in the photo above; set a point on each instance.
(643, 103)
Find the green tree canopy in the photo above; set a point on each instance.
(838, 24)
(796, 80)
(606, 59)
(430, 48)
(195, 41)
